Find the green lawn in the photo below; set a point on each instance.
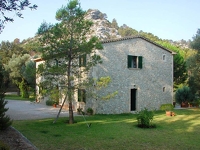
(16, 97)
(115, 132)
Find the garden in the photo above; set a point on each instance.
(116, 132)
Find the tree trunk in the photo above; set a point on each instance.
(71, 116)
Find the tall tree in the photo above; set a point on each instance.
(195, 44)
(114, 24)
(193, 65)
(180, 68)
(12, 5)
(66, 47)
(5, 121)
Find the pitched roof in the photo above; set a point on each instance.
(134, 37)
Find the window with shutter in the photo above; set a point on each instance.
(81, 95)
(82, 61)
(134, 61)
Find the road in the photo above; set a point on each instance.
(26, 110)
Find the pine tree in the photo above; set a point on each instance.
(5, 121)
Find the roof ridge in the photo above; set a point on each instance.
(133, 37)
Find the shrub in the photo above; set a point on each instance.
(183, 94)
(166, 107)
(50, 103)
(90, 111)
(5, 120)
(145, 118)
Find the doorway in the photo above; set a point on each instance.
(133, 99)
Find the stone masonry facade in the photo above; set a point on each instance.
(152, 84)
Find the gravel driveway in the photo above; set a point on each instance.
(26, 110)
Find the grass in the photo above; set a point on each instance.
(115, 132)
(17, 97)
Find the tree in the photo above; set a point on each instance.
(183, 95)
(180, 68)
(65, 48)
(21, 72)
(195, 44)
(127, 31)
(7, 49)
(114, 24)
(5, 121)
(194, 76)
(13, 5)
(193, 65)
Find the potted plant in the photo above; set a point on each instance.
(90, 111)
(168, 109)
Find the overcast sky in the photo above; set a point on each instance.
(167, 19)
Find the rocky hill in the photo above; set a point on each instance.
(101, 27)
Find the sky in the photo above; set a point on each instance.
(167, 19)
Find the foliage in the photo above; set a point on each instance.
(63, 45)
(114, 24)
(183, 94)
(127, 31)
(193, 66)
(50, 102)
(5, 121)
(195, 44)
(21, 72)
(166, 107)
(7, 49)
(145, 118)
(13, 5)
(54, 95)
(3, 146)
(180, 68)
(90, 111)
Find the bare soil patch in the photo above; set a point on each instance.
(15, 140)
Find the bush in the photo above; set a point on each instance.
(3, 146)
(183, 94)
(90, 111)
(166, 107)
(50, 103)
(5, 120)
(145, 118)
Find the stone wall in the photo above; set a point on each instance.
(154, 82)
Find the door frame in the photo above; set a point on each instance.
(133, 100)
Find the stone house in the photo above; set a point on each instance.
(141, 72)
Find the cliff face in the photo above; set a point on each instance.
(101, 27)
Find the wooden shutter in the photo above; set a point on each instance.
(129, 60)
(140, 62)
(82, 60)
(79, 95)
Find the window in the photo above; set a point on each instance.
(82, 61)
(163, 89)
(164, 57)
(81, 95)
(134, 61)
